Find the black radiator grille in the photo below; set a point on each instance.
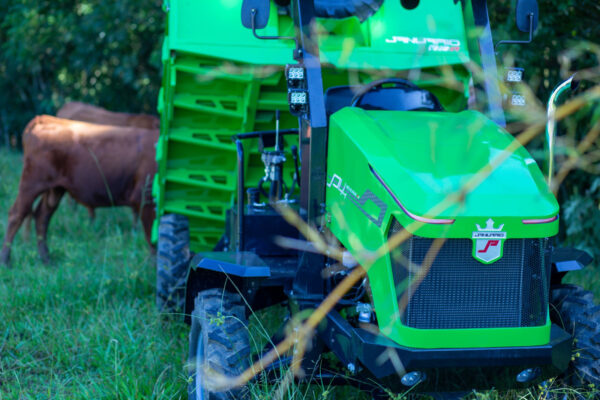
(459, 292)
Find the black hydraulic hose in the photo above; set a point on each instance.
(290, 192)
(284, 187)
(240, 195)
(296, 164)
(260, 187)
(279, 180)
(258, 134)
(276, 188)
(296, 179)
(273, 190)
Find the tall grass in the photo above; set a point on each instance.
(86, 327)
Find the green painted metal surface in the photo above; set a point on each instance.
(424, 159)
(448, 166)
(394, 38)
(219, 80)
(203, 102)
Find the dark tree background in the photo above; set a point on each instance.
(108, 53)
(101, 52)
(567, 40)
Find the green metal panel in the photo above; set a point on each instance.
(219, 80)
(204, 103)
(394, 38)
(426, 158)
(423, 157)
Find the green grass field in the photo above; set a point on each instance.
(86, 327)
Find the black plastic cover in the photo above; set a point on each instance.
(447, 370)
(362, 9)
(398, 99)
(262, 8)
(338, 97)
(565, 259)
(524, 9)
(381, 98)
(243, 264)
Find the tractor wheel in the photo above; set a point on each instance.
(172, 261)
(573, 308)
(219, 345)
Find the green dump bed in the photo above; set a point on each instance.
(219, 80)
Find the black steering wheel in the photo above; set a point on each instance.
(430, 102)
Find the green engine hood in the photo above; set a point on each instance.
(422, 159)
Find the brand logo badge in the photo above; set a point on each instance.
(337, 183)
(430, 44)
(488, 242)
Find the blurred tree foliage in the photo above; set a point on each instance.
(102, 52)
(108, 53)
(567, 40)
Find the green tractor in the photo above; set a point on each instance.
(378, 125)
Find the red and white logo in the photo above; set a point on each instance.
(488, 242)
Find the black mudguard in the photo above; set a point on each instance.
(234, 271)
(567, 259)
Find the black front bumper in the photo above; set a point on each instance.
(377, 357)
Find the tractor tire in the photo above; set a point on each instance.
(219, 345)
(173, 256)
(573, 308)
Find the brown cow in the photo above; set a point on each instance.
(86, 112)
(79, 111)
(98, 165)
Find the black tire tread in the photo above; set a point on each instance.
(172, 259)
(575, 311)
(221, 316)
